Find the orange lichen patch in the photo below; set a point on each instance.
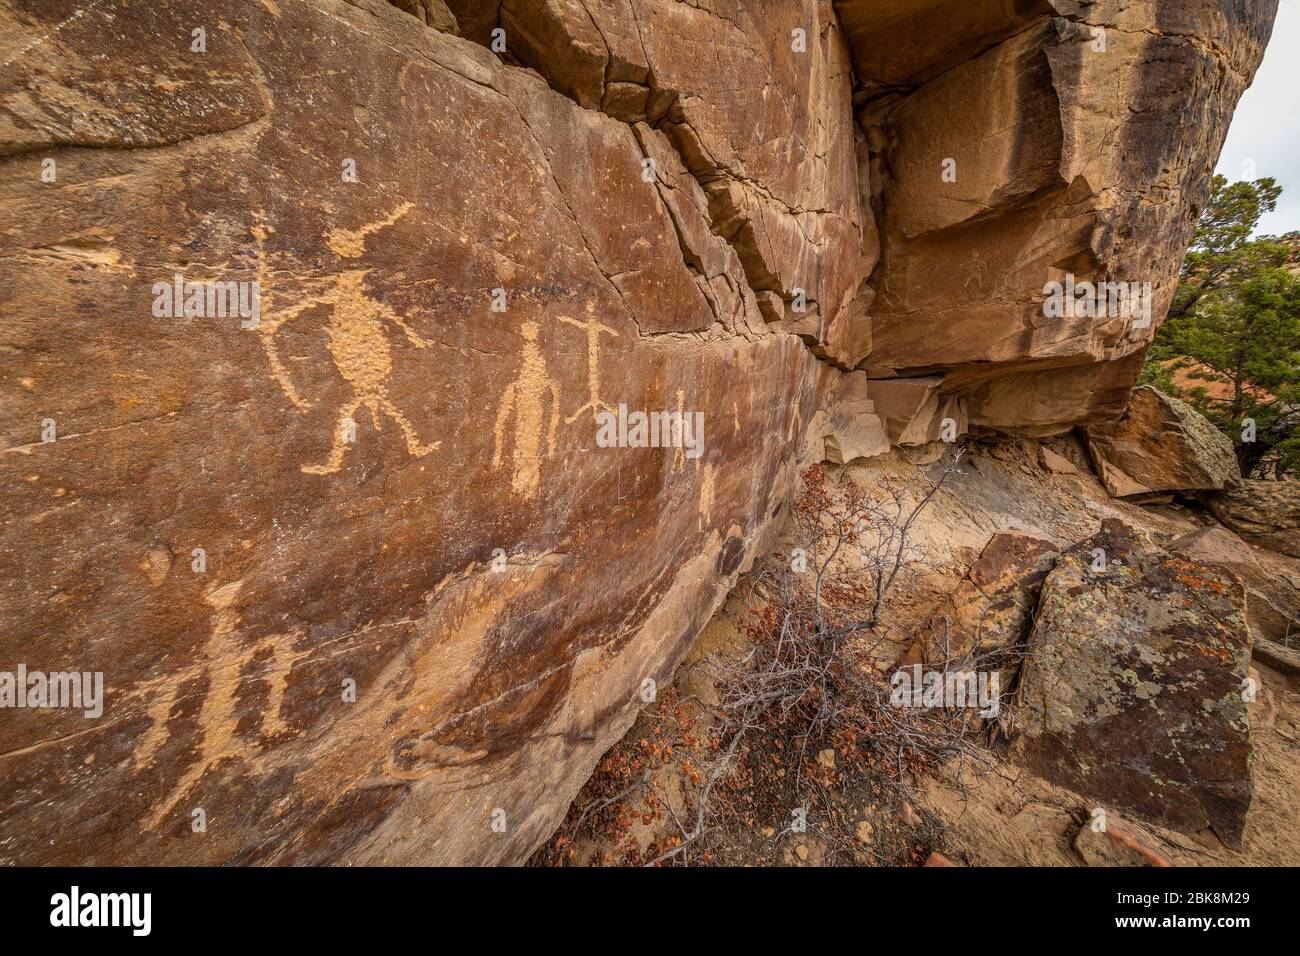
(1191, 574)
(1199, 583)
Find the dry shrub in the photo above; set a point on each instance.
(806, 685)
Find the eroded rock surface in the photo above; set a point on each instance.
(1113, 845)
(1265, 512)
(854, 429)
(433, 13)
(980, 207)
(393, 486)
(764, 131)
(985, 621)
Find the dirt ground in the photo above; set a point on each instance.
(642, 797)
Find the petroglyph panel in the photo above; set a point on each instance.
(350, 463)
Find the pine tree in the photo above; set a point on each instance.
(1236, 312)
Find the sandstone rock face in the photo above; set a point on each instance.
(916, 411)
(1161, 444)
(432, 13)
(980, 207)
(1264, 512)
(759, 134)
(383, 488)
(853, 429)
(1132, 692)
(327, 323)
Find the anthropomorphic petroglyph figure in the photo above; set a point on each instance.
(594, 331)
(358, 343)
(975, 271)
(225, 665)
(679, 452)
(523, 399)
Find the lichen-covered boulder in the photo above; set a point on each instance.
(1134, 692)
(1161, 443)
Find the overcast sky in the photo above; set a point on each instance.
(1266, 127)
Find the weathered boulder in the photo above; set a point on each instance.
(916, 411)
(985, 621)
(1132, 691)
(852, 429)
(1277, 656)
(1272, 604)
(1055, 462)
(1161, 444)
(1216, 545)
(1266, 513)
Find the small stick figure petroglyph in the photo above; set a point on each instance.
(594, 331)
